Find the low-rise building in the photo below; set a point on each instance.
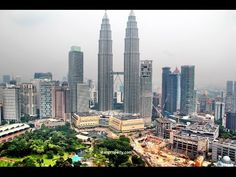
(191, 146)
(8, 132)
(204, 129)
(85, 120)
(126, 123)
(48, 123)
(222, 148)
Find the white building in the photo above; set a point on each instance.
(219, 111)
(11, 103)
(29, 102)
(83, 97)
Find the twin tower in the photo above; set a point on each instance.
(131, 67)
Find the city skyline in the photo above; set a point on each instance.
(169, 38)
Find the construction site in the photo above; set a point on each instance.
(156, 153)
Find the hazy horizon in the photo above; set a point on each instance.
(39, 41)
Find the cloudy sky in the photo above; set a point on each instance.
(34, 41)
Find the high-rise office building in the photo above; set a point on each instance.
(187, 90)
(173, 92)
(234, 96)
(131, 67)
(18, 79)
(146, 91)
(76, 74)
(229, 88)
(11, 104)
(82, 97)
(230, 97)
(6, 79)
(59, 102)
(105, 65)
(219, 111)
(42, 75)
(231, 121)
(46, 98)
(165, 79)
(28, 97)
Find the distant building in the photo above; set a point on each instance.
(230, 97)
(11, 104)
(28, 96)
(187, 90)
(222, 148)
(76, 74)
(156, 101)
(18, 80)
(83, 97)
(42, 75)
(1, 113)
(173, 92)
(229, 88)
(219, 111)
(9, 132)
(126, 123)
(6, 79)
(146, 91)
(231, 121)
(165, 79)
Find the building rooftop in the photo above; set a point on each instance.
(203, 126)
(6, 129)
(81, 114)
(226, 142)
(127, 116)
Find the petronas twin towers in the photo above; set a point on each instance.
(131, 67)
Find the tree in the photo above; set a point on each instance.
(27, 162)
(137, 161)
(63, 163)
(50, 154)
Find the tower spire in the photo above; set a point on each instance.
(105, 15)
(131, 13)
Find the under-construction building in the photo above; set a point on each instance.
(191, 146)
(163, 127)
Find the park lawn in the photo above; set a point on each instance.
(5, 164)
(46, 162)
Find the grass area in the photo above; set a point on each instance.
(46, 162)
(5, 164)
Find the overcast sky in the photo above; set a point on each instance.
(39, 41)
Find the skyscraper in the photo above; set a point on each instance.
(229, 88)
(6, 79)
(11, 103)
(75, 76)
(187, 90)
(146, 91)
(165, 78)
(59, 102)
(230, 97)
(173, 92)
(83, 97)
(219, 111)
(105, 65)
(28, 96)
(231, 121)
(46, 98)
(131, 67)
